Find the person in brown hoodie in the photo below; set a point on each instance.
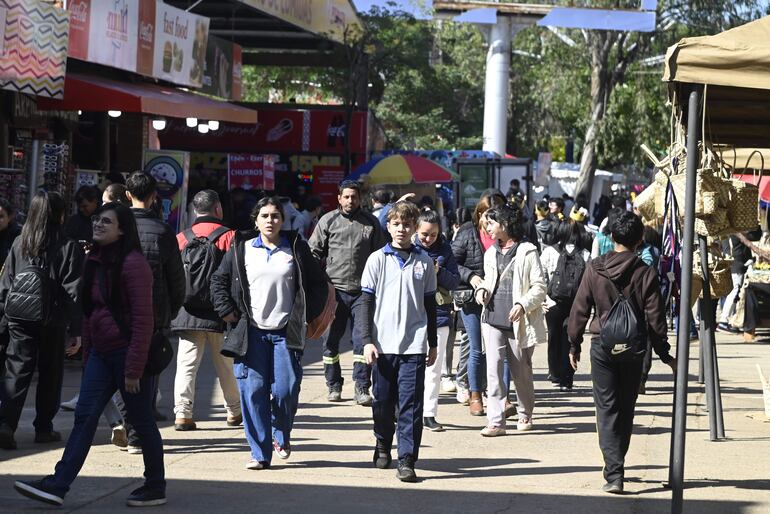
(616, 383)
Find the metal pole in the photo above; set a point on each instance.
(707, 334)
(701, 372)
(496, 87)
(718, 395)
(685, 313)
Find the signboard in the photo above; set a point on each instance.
(330, 18)
(112, 38)
(33, 47)
(474, 179)
(171, 170)
(251, 171)
(180, 45)
(325, 186)
(268, 168)
(222, 73)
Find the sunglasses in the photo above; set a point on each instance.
(104, 220)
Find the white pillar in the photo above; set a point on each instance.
(496, 87)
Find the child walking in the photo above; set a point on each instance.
(398, 328)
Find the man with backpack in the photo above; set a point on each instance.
(197, 324)
(625, 294)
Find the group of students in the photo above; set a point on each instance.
(268, 285)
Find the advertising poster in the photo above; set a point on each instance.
(33, 47)
(245, 171)
(326, 179)
(145, 51)
(113, 33)
(219, 74)
(171, 170)
(80, 26)
(474, 179)
(180, 45)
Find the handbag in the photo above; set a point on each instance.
(462, 297)
(236, 340)
(317, 327)
(160, 353)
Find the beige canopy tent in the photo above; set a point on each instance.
(735, 65)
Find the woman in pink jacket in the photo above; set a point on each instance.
(117, 329)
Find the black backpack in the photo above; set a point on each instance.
(565, 282)
(30, 298)
(200, 258)
(624, 332)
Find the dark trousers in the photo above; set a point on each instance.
(131, 432)
(647, 362)
(349, 307)
(32, 347)
(558, 344)
(616, 386)
(104, 374)
(399, 380)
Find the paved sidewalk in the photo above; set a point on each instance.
(554, 468)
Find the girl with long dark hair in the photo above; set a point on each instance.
(38, 297)
(117, 329)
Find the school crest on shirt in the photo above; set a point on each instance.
(419, 270)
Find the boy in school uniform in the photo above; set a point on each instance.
(400, 338)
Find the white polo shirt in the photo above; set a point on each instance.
(400, 288)
(272, 284)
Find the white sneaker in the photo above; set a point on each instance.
(448, 385)
(493, 431)
(134, 450)
(463, 395)
(524, 424)
(70, 405)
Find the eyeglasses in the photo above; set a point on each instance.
(104, 220)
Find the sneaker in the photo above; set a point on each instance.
(134, 449)
(405, 471)
(463, 396)
(146, 497)
(493, 431)
(565, 388)
(448, 385)
(119, 436)
(382, 458)
(524, 424)
(510, 410)
(70, 405)
(184, 424)
(432, 425)
(256, 464)
(283, 452)
(47, 437)
(37, 490)
(726, 327)
(234, 421)
(363, 397)
(615, 487)
(335, 395)
(7, 442)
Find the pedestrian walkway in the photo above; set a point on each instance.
(554, 468)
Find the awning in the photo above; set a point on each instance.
(90, 93)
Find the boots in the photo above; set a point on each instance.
(476, 405)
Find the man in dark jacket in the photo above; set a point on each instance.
(160, 248)
(616, 383)
(198, 329)
(344, 239)
(78, 227)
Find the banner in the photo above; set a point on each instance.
(222, 74)
(330, 18)
(180, 45)
(244, 171)
(171, 170)
(326, 180)
(112, 38)
(33, 47)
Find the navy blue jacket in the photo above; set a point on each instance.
(448, 275)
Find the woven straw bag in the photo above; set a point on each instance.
(720, 276)
(714, 225)
(744, 206)
(645, 202)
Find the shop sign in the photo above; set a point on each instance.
(222, 74)
(24, 112)
(330, 19)
(180, 45)
(171, 170)
(326, 180)
(251, 172)
(474, 179)
(33, 47)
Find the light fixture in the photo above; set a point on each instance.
(159, 123)
(213, 125)
(203, 128)
(114, 114)
(191, 122)
(80, 113)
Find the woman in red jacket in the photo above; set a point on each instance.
(117, 282)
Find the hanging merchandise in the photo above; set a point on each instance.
(52, 166)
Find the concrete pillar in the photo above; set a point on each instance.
(496, 92)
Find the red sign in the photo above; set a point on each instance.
(251, 171)
(327, 179)
(80, 26)
(268, 172)
(145, 51)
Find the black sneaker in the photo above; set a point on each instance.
(382, 458)
(432, 425)
(7, 442)
(37, 490)
(405, 471)
(614, 487)
(363, 397)
(146, 497)
(47, 437)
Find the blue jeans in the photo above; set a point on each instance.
(476, 363)
(268, 367)
(104, 374)
(399, 380)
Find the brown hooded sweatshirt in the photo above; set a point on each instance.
(634, 278)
